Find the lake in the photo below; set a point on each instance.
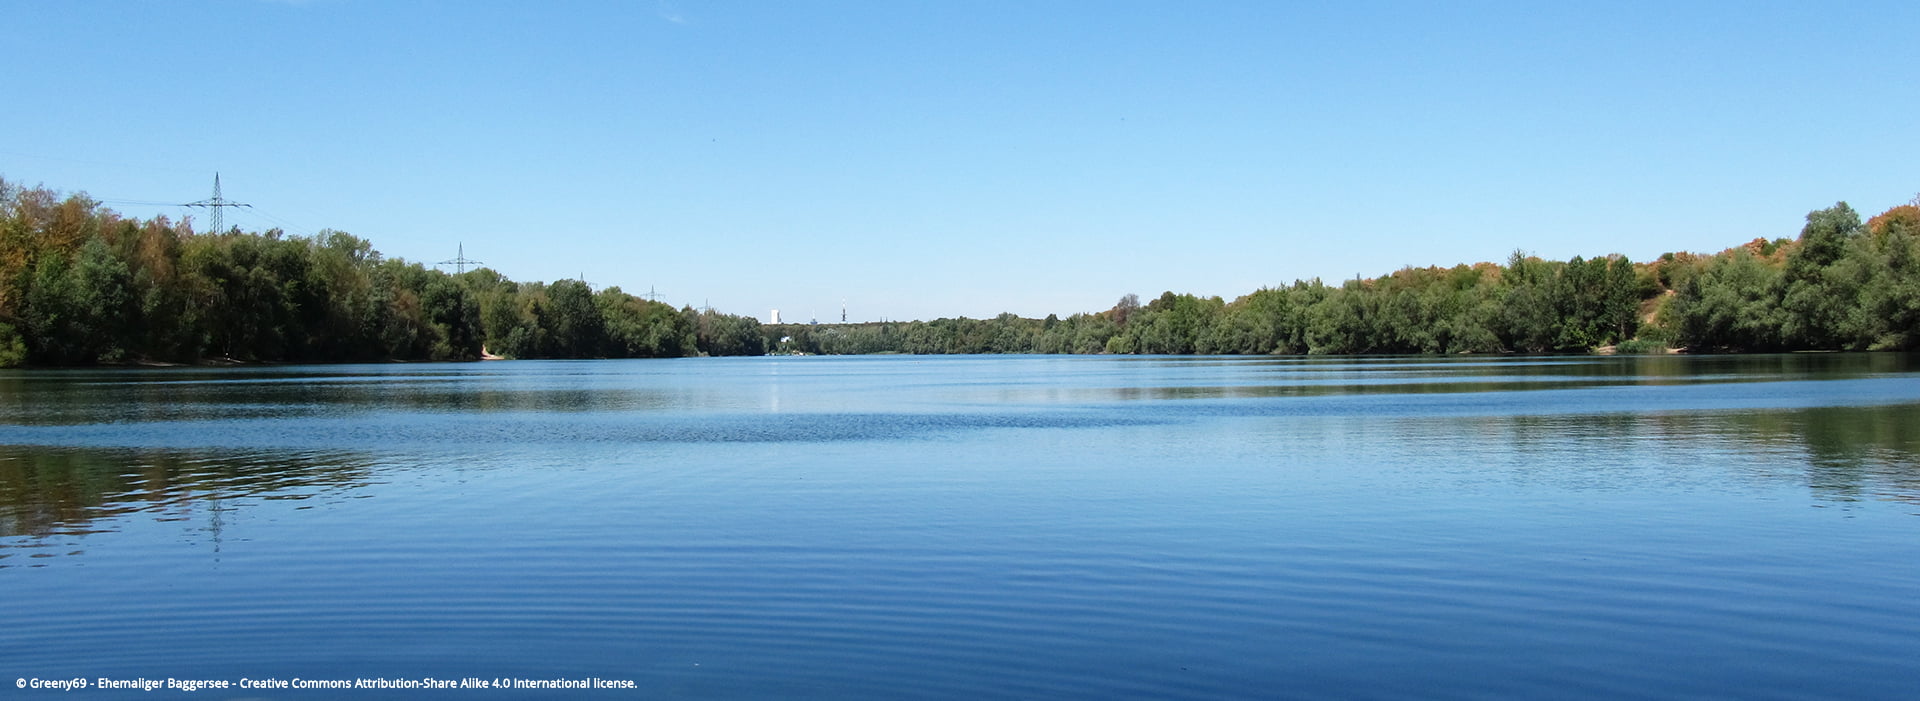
(912, 527)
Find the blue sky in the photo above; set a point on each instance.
(929, 159)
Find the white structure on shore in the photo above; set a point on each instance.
(776, 317)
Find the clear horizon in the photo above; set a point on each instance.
(945, 160)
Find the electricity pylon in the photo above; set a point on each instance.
(217, 204)
(461, 261)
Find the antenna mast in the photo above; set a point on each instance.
(217, 204)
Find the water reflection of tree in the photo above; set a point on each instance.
(81, 397)
(67, 491)
(1848, 453)
(1854, 452)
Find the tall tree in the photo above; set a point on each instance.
(574, 322)
(1816, 297)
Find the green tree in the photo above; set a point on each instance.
(13, 348)
(573, 321)
(1816, 297)
(1620, 300)
(1730, 305)
(77, 311)
(1886, 265)
(451, 309)
(1529, 311)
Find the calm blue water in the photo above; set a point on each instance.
(975, 527)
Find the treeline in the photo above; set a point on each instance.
(1841, 285)
(80, 284)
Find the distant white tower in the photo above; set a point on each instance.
(776, 316)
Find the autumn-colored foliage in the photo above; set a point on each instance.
(79, 285)
(1905, 217)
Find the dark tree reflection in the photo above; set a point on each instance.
(64, 491)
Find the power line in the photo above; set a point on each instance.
(137, 203)
(282, 223)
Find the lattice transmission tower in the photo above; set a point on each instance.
(460, 261)
(216, 204)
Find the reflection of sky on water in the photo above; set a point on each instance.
(87, 447)
(978, 527)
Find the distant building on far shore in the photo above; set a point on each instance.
(776, 316)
